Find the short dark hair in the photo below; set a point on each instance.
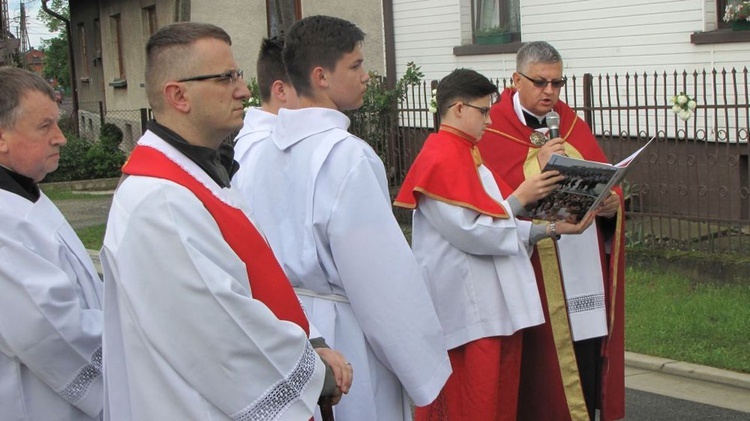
(14, 84)
(168, 55)
(317, 41)
(270, 66)
(536, 52)
(462, 85)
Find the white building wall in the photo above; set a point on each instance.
(593, 36)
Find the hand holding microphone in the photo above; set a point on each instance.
(553, 122)
(555, 144)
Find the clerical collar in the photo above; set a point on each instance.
(21, 185)
(218, 164)
(527, 117)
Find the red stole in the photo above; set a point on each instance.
(446, 170)
(268, 282)
(508, 152)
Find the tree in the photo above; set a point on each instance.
(59, 7)
(57, 62)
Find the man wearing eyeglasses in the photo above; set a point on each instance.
(200, 320)
(574, 363)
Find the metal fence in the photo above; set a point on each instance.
(92, 115)
(690, 190)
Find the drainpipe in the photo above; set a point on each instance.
(73, 84)
(390, 44)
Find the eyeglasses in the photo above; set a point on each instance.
(484, 110)
(233, 76)
(542, 83)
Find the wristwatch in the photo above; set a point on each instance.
(553, 231)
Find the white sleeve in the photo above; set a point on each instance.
(383, 282)
(469, 230)
(187, 293)
(45, 327)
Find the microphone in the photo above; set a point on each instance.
(553, 122)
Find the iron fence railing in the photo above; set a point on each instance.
(690, 190)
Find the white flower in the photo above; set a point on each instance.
(683, 106)
(737, 12)
(432, 107)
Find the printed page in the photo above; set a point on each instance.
(586, 185)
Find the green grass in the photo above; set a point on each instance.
(92, 237)
(671, 317)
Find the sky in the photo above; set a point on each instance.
(36, 28)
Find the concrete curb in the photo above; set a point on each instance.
(694, 371)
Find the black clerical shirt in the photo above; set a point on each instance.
(533, 121)
(218, 164)
(21, 185)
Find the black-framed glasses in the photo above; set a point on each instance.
(484, 110)
(233, 76)
(542, 83)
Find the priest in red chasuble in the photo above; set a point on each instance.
(573, 364)
(475, 254)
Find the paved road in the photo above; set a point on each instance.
(653, 395)
(645, 406)
(86, 212)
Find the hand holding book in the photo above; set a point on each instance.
(537, 187)
(587, 184)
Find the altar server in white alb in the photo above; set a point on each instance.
(201, 322)
(50, 294)
(320, 194)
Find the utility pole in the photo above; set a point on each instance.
(24, 36)
(6, 52)
(24, 30)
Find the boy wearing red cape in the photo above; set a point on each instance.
(574, 363)
(475, 254)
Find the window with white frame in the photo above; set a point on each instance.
(503, 14)
(496, 16)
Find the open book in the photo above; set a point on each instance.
(586, 185)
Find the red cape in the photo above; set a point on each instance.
(550, 393)
(446, 170)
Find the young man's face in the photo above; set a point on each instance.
(348, 80)
(538, 101)
(32, 147)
